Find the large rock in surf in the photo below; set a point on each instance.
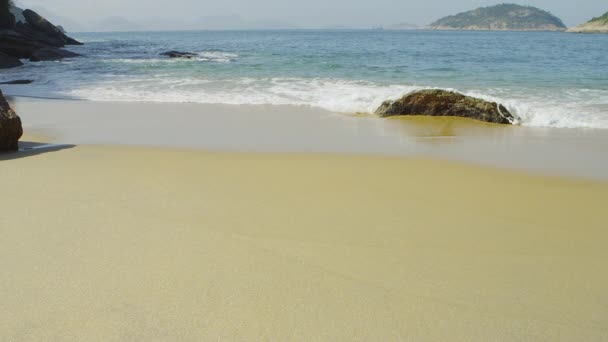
(7, 61)
(18, 82)
(10, 127)
(178, 54)
(436, 102)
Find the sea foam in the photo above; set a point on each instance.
(342, 96)
(343, 72)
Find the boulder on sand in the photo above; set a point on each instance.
(436, 102)
(10, 127)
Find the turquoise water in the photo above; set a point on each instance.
(547, 78)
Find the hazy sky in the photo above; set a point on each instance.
(303, 13)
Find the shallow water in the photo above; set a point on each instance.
(549, 79)
(568, 152)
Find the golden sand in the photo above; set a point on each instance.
(125, 244)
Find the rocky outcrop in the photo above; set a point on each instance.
(33, 37)
(503, 17)
(42, 30)
(595, 25)
(51, 54)
(437, 102)
(10, 127)
(7, 19)
(19, 46)
(178, 54)
(16, 82)
(7, 61)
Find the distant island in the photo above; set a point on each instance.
(400, 26)
(595, 25)
(503, 17)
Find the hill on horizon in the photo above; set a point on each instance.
(595, 25)
(502, 17)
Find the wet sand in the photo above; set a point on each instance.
(564, 152)
(123, 243)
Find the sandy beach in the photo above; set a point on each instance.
(117, 242)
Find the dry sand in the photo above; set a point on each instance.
(142, 244)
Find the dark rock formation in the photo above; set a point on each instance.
(7, 19)
(7, 61)
(34, 38)
(17, 45)
(437, 102)
(178, 54)
(38, 28)
(18, 82)
(10, 127)
(51, 54)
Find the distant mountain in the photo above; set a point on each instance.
(502, 17)
(595, 25)
(402, 26)
(117, 24)
(234, 22)
(337, 27)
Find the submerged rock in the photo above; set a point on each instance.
(437, 102)
(51, 54)
(7, 61)
(178, 54)
(18, 82)
(10, 127)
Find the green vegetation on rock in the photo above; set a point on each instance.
(603, 19)
(502, 17)
(595, 25)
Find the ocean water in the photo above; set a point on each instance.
(549, 79)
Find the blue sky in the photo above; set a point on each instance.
(305, 14)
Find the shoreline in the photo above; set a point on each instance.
(300, 129)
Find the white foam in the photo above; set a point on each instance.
(332, 95)
(218, 56)
(578, 108)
